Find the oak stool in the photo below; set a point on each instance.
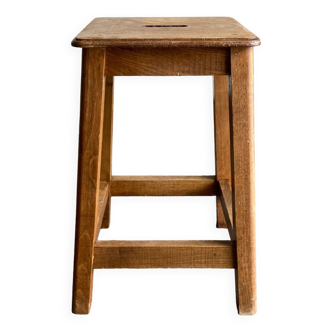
(216, 46)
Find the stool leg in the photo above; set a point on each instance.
(243, 176)
(89, 160)
(222, 138)
(106, 156)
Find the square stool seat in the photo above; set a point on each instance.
(165, 31)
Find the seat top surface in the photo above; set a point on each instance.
(165, 31)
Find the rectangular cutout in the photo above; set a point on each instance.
(166, 26)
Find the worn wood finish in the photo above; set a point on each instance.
(226, 201)
(159, 61)
(167, 46)
(106, 159)
(102, 203)
(107, 215)
(222, 138)
(243, 176)
(164, 186)
(164, 254)
(165, 31)
(89, 159)
(106, 162)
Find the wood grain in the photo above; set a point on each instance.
(161, 61)
(163, 186)
(106, 156)
(107, 149)
(89, 158)
(164, 254)
(167, 46)
(222, 138)
(102, 203)
(243, 186)
(107, 215)
(226, 200)
(165, 31)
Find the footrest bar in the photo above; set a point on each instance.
(164, 186)
(164, 254)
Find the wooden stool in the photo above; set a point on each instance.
(217, 46)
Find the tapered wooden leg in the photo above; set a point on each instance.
(89, 160)
(222, 138)
(106, 160)
(243, 176)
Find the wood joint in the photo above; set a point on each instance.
(164, 254)
(102, 203)
(226, 199)
(164, 186)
